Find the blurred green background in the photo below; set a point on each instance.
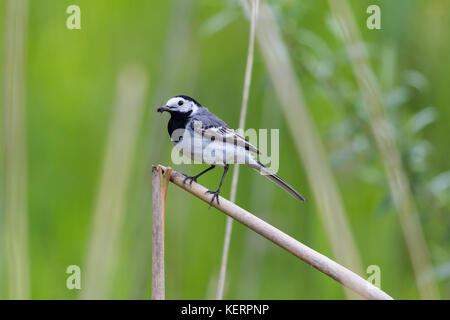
(199, 48)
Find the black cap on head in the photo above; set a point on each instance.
(189, 99)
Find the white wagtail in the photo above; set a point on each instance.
(202, 136)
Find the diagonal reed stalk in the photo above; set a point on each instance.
(332, 269)
(15, 163)
(109, 210)
(390, 155)
(234, 181)
(307, 142)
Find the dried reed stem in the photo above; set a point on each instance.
(160, 184)
(334, 270)
(390, 155)
(235, 178)
(158, 289)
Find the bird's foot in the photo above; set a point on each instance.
(193, 178)
(215, 196)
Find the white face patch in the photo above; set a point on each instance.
(185, 107)
(173, 102)
(194, 108)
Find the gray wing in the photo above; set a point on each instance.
(208, 119)
(212, 127)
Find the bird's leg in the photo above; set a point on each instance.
(216, 193)
(194, 178)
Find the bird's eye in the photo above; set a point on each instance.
(180, 103)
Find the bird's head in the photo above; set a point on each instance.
(180, 105)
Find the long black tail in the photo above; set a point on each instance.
(274, 178)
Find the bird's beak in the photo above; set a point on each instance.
(163, 108)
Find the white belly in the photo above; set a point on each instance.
(212, 152)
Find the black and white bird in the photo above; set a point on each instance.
(203, 137)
